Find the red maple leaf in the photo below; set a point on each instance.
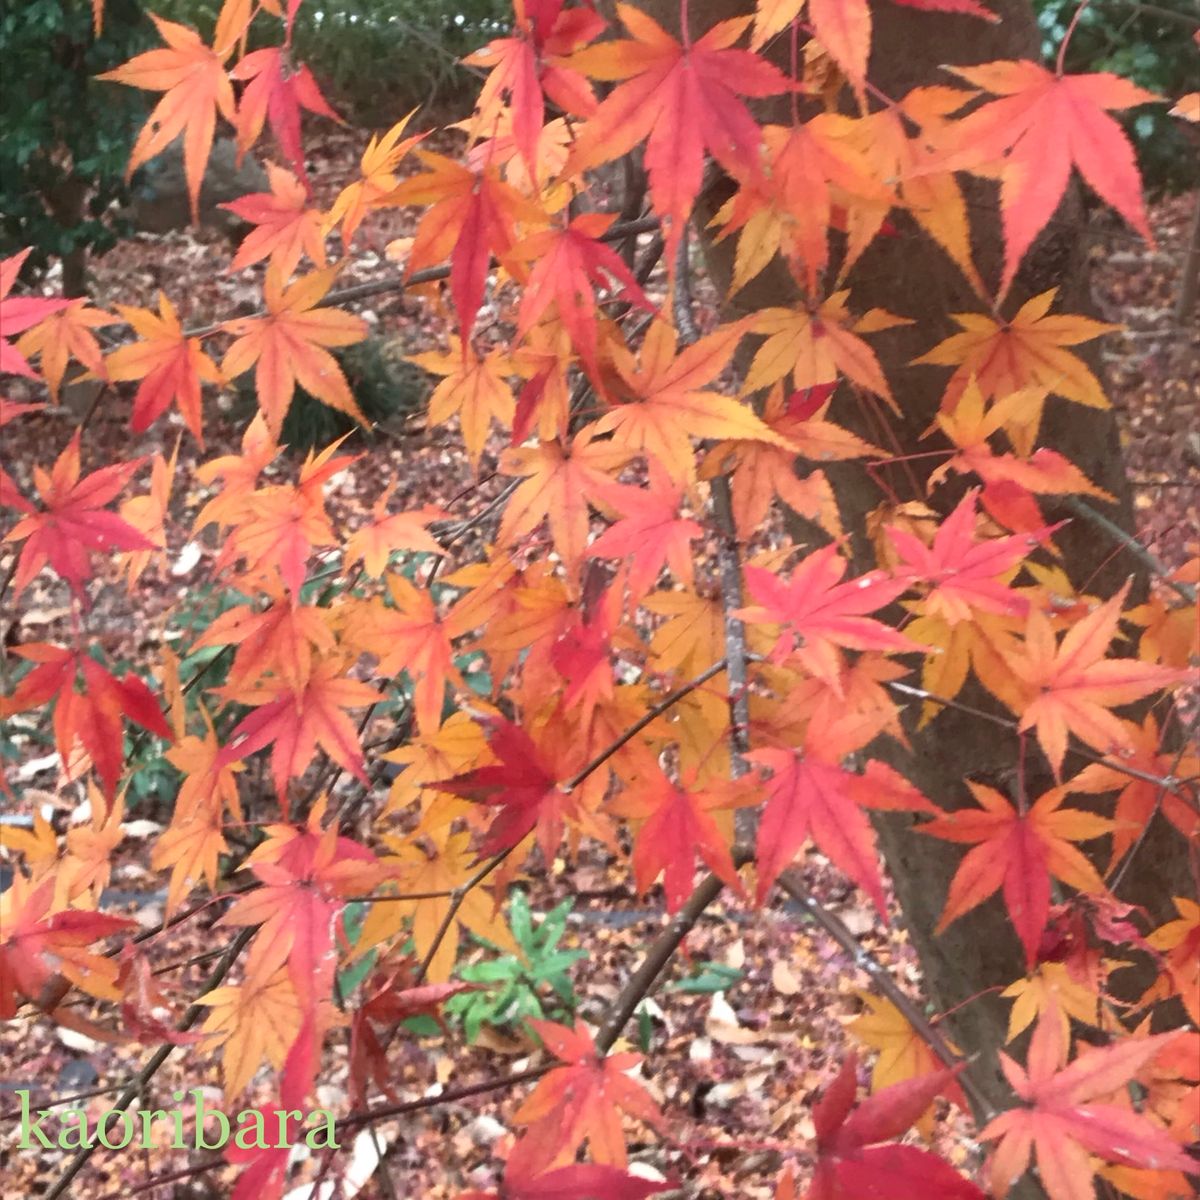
(73, 522)
(819, 614)
(277, 90)
(683, 97)
(583, 1099)
(1062, 1122)
(856, 1157)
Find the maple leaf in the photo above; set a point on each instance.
(811, 165)
(677, 825)
(683, 98)
(1042, 125)
(1024, 353)
(1074, 686)
(1019, 851)
(278, 526)
(536, 60)
(297, 720)
(442, 864)
(819, 614)
(814, 345)
(373, 190)
(250, 1023)
(279, 640)
(287, 347)
(844, 26)
(62, 335)
(692, 637)
(903, 1053)
(197, 87)
(583, 1099)
(559, 479)
(374, 543)
(661, 407)
(761, 471)
(651, 533)
(811, 795)
(523, 782)
(1049, 988)
(1062, 1123)
(35, 942)
(93, 716)
(285, 226)
(73, 521)
(87, 865)
(964, 573)
(146, 1011)
(1179, 940)
(409, 635)
(1139, 799)
(170, 365)
(19, 313)
(851, 1161)
(568, 263)
(474, 387)
(457, 746)
(470, 215)
(276, 90)
(148, 515)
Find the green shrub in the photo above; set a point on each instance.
(66, 136)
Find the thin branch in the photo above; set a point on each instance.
(156, 1060)
(645, 719)
(1148, 558)
(792, 883)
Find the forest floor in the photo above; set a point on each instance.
(751, 1023)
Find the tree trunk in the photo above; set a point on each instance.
(911, 277)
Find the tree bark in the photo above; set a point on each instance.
(911, 277)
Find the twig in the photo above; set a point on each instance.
(156, 1060)
(791, 882)
(1148, 558)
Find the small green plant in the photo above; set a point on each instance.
(708, 977)
(512, 990)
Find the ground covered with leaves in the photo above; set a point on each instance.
(734, 1052)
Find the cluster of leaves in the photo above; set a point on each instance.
(660, 657)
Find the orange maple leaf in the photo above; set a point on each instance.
(92, 716)
(18, 313)
(378, 166)
(277, 88)
(474, 387)
(558, 481)
(409, 635)
(63, 335)
(661, 405)
(288, 346)
(1041, 126)
(1064, 1119)
(375, 542)
(650, 534)
(683, 97)
(197, 87)
(468, 216)
(1074, 686)
(285, 226)
(1018, 850)
(536, 60)
(583, 1099)
(170, 365)
(37, 941)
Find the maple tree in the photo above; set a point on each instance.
(697, 660)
